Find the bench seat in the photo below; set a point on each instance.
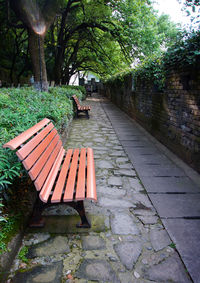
(59, 176)
(80, 108)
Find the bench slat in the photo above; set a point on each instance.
(69, 190)
(16, 142)
(80, 189)
(57, 194)
(37, 167)
(33, 157)
(91, 182)
(46, 189)
(46, 169)
(27, 148)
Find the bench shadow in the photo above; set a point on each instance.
(67, 224)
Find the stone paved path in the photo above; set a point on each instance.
(127, 242)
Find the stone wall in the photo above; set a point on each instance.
(172, 116)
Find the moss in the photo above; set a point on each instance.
(9, 229)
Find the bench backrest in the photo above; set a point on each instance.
(77, 103)
(40, 147)
(42, 153)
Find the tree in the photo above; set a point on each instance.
(14, 48)
(37, 18)
(80, 35)
(103, 36)
(192, 9)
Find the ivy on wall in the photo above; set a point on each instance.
(184, 53)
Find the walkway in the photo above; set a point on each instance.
(128, 242)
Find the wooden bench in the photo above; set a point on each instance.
(80, 108)
(59, 176)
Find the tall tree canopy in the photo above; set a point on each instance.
(82, 35)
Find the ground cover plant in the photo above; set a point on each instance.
(21, 108)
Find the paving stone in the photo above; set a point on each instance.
(128, 253)
(100, 140)
(185, 233)
(41, 274)
(113, 191)
(93, 243)
(134, 183)
(159, 239)
(123, 224)
(147, 220)
(152, 159)
(121, 159)
(158, 170)
(32, 239)
(130, 137)
(53, 246)
(126, 277)
(144, 211)
(176, 205)
(118, 147)
(99, 270)
(142, 201)
(169, 185)
(136, 143)
(125, 166)
(115, 181)
(125, 172)
(104, 164)
(134, 151)
(170, 270)
(117, 153)
(114, 202)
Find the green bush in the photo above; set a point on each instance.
(80, 91)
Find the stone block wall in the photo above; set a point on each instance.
(172, 116)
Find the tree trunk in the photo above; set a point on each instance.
(58, 68)
(36, 49)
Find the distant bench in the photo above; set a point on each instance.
(80, 108)
(59, 176)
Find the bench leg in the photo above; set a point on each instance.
(36, 219)
(87, 114)
(79, 207)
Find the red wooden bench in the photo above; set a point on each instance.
(59, 176)
(80, 108)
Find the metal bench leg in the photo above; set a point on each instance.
(36, 219)
(87, 114)
(79, 207)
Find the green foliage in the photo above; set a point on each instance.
(8, 229)
(151, 69)
(22, 254)
(183, 53)
(80, 91)
(173, 245)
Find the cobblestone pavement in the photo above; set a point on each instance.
(127, 242)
